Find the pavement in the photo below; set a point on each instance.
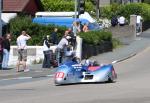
(117, 55)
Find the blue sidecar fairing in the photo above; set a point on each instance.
(73, 72)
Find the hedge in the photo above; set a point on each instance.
(64, 5)
(126, 10)
(96, 37)
(96, 42)
(147, 1)
(36, 31)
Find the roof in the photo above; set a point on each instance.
(18, 5)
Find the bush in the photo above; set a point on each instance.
(116, 43)
(126, 10)
(110, 11)
(36, 31)
(147, 1)
(63, 5)
(95, 42)
(96, 37)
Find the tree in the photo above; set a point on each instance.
(64, 5)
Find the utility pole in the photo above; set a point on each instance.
(97, 9)
(1, 18)
(75, 10)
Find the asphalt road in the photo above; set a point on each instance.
(132, 86)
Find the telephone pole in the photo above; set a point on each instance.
(97, 9)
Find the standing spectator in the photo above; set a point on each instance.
(22, 50)
(73, 38)
(64, 42)
(66, 33)
(81, 27)
(138, 24)
(114, 21)
(85, 28)
(1, 52)
(6, 50)
(54, 38)
(47, 53)
(121, 20)
(78, 25)
(76, 28)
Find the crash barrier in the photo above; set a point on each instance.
(35, 54)
(89, 50)
(122, 31)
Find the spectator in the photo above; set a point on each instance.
(6, 50)
(76, 28)
(138, 24)
(78, 24)
(22, 51)
(81, 27)
(121, 20)
(1, 52)
(47, 53)
(54, 38)
(85, 28)
(73, 38)
(66, 33)
(64, 42)
(114, 21)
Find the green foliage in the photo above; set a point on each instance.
(147, 1)
(36, 31)
(116, 43)
(127, 10)
(63, 5)
(96, 37)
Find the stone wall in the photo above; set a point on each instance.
(125, 34)
(104, 2)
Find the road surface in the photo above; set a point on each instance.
(132, 86)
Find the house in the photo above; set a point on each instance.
(22, 6)
(12, 8)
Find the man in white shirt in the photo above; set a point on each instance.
(22, 50)
(121, 20)
(138, 23)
